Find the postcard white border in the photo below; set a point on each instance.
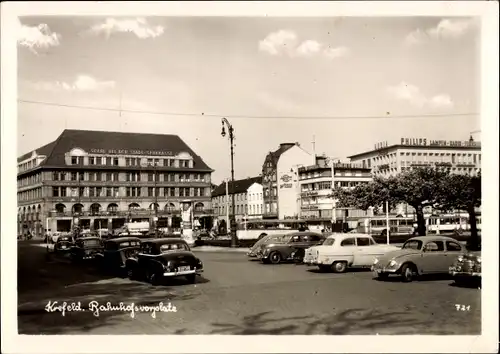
(487, 342)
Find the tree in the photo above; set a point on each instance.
(463, 192)
(420, 187)
(367, 195)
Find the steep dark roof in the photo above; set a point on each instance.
(44, 150)
(91, 139)
(240, 186)
(283, 147)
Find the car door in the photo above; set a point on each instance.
(296, 244)
(315, 240)
(434, 258)
(453, 250)
(363, 252)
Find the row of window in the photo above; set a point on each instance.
(271, 207)
(129, 161)
(35, 193)
(425, 156)
(328, 173)
(130, 176)
(241, 209)
(238, 197)
(27, 181)
(309, 187)
(117, 192)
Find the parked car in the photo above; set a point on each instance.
(341, 251)
(116, 251)
(63, 245)
(467, 267)
(85, 248)
(164, 258)
(289, 247)
(257, 248)
(419, 256)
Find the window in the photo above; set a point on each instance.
(363, 241)
(172, 191)
(81, 191)
(55, 176)
(74, 160)
(186, 192)
(116, 191)
(108, 160)
(128, 191)
(98, 160)
(98, 191)
(172, 177)
(91, 191)
(73, 176)
(99, 176)
(55, 191)
(109, 176)
(109, 192)
(195, 192)
(91, 160)
(181, 192)
(150, 177)
(348, 242)
(453, 246)
(434, 246)
(150, 192)
(115, 161)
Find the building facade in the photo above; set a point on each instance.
(316, 201)
(255, 197)
(279, 180)
(461, 157)
(103, 180)
(243, 191)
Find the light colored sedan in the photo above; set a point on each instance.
(342, 251)
(418, 256)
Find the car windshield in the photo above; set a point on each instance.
(173, 247)
(329, 241)
(412, 245)
(94, 242)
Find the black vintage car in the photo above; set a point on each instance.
(288, 247)
(85, 248)
(63, 245)
(164, 258)
(116, 251)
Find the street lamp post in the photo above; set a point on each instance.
(231, 140)
(155, 192)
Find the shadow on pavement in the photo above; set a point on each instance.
(420, 278)
(352, 321)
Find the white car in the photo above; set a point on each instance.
(341, 251)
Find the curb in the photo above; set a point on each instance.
(219, 249)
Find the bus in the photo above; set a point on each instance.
(377, 226)
(450, 223)
(256, 229)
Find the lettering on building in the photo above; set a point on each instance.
(436, 143)
(381, 145)
(132, 152)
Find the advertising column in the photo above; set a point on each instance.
(187, 222)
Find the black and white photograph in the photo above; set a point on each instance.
(250, 170)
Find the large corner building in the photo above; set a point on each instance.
(106, 179)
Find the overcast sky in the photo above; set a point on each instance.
(272, 67)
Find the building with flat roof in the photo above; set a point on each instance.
(461, 157)
(104, 179)
(316, 201)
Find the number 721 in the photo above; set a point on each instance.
(462, 307)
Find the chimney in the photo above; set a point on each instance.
(471, 139)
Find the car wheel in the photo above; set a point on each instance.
(131, 273)
(191, 278)
(407, 273)
(275, 257)
(153, 278)
(339, 267)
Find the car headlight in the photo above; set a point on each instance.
(460, 258)
(375, 261)
(392, 263)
